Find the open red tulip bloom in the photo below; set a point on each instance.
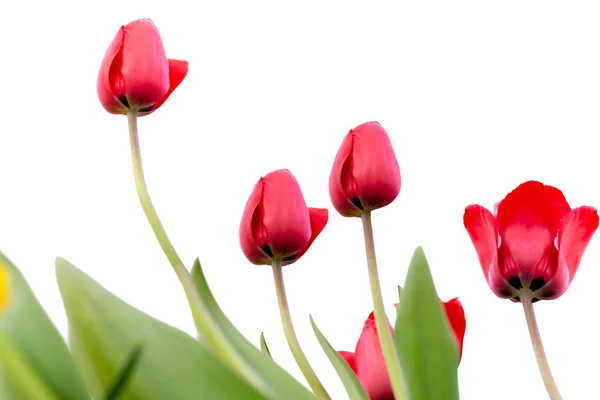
(135, 72)
(365, 173)
(277, 223)
(534, 242)
(368, 363)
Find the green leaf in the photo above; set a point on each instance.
(425, 343)
(351, 383)
(102, 328)
(263, 345)
(25, 382)
(124, 374)
(28, 327)
(278, 383)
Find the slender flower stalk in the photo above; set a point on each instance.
(205, 324)
(386, 340)
(290, 334)
(540, 355)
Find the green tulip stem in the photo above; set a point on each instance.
(205, 324)
(526, 299)
(381, 322)
(290, 335)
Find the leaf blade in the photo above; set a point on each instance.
(280, 383)
(27, 325)
(348, 377)
(125, 373)
(103, 327)
(424, 341)
(263, 345)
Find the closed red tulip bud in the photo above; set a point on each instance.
(365, 174)
(367, 360)
(276, 223)
(535, 241)
(135, 73)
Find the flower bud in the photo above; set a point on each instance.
(135, 73)
(365, 174)
(367, 360)
(277, 224)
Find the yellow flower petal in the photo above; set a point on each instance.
(4, 287)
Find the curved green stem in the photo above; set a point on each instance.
(526, 299)
(386, 340)
(205, 324)
(290, 335)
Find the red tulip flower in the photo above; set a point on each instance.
(276, 223)
(534, 242)
(135, 73)
(365, 174)
(368, 363)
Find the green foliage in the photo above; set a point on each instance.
(424, 340)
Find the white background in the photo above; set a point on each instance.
(477, 97)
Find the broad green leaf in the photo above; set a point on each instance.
(424, 341)
(351, 383)
(263, 345)
(103, 329)
(28, 327)
(25, 382)
(279, 384)
(120, 382)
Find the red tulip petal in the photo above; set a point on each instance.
(249, 226)
(458, 323)
(528, 221)
(532, 204)
(318, 220)
(370, 364)
(481, 226)
(373, 174)
(145, 68)
(286, 216)
(110, 64)
(339, 178)
(576, 231)
(349, 358)
(177, 72)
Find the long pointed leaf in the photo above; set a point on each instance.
(174, 365)
(280, 383)
(25, 381)
(263, 345)
(424, 341)
(125, 373)
(30, 329)
(351, 383)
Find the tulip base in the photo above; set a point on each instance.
(526, 299)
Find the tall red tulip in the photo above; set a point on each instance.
(367, 359)
(135, 72)
(277, 223)
(535, 241)
(365, 173)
